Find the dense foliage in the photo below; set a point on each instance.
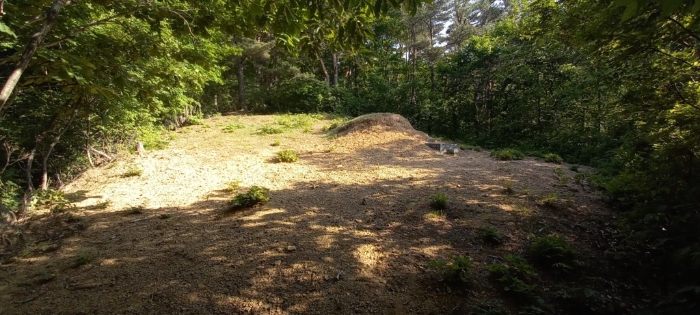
(606, 84)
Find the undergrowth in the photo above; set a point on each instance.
(287, 156)
(452, 269)
(438, 201)
(508, 154)
(254, 196)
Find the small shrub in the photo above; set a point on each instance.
(553, 158)
(133, 211)
(287, 156)
(132, 171)
(579, 178)
(488, 308)
(515, 275)
(270, 130)
(574, 167)
(509, 187)
(153, 138)
(232, 128)
(584, 298)
(490, 236)
(438, 201)
(455, 268)
(255, 195)
(195, 120)
(550, 200)
(10, 196)
(276, 143)
(83, 258)
(52, 199)
(561, 176)
(298, 121)
(553, 251)
(233, 185)
(508, 154)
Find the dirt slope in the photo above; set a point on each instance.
(348, 229)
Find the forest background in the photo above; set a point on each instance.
(611, 85)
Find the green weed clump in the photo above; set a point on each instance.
(255, 195)
(490, 236)
(553, 252)
(550, 200)
(515, 275)
(299, 121)
(269, 130)
(276, 143)
(561, 176)
(232, 128)
(153, 138)
(455, 268)
(52, 199)
(553, 158)
(195, 120)
(488, 308)
(132, 171)
(508, 154)
(287, 156)
(83, 258)
(438, 201)
(233, 185)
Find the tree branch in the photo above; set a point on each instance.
(693, 35)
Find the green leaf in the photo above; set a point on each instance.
(696, 7)
(670, 6)
(6, 29)
(630, 11)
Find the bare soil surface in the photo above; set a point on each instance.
(348, 229)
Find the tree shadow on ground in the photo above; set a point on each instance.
(318, 247)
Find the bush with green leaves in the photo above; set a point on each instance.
(230, 128)
(270, 130)
(490, 236)
(303, 93)
(488, 308)
(195, 120)
(438, 201)
(297, 121)
(132, 171)
(287, 156)
(553, 251)
(52, 199)
(453, 269)
(508, 154)
(254, 196)
(515, 275)
(152, 138)
(10, 194)
(553, 158)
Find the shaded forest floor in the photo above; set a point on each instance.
(348, 230)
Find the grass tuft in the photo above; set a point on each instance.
(255, 195)
(508, 154)
(287, 156)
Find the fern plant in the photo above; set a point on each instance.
(455, 268)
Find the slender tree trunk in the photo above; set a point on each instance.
(45, 160)
(325, 71)
(34, 42)
(241, 83)
(335, 69)
(87, 142)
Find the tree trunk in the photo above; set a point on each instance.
(325, 71)
(34, 42)
(335, 69)
(44, 162)
(241, 83)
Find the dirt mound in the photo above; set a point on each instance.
(379, 121)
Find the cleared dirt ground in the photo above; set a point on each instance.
(348, 229)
